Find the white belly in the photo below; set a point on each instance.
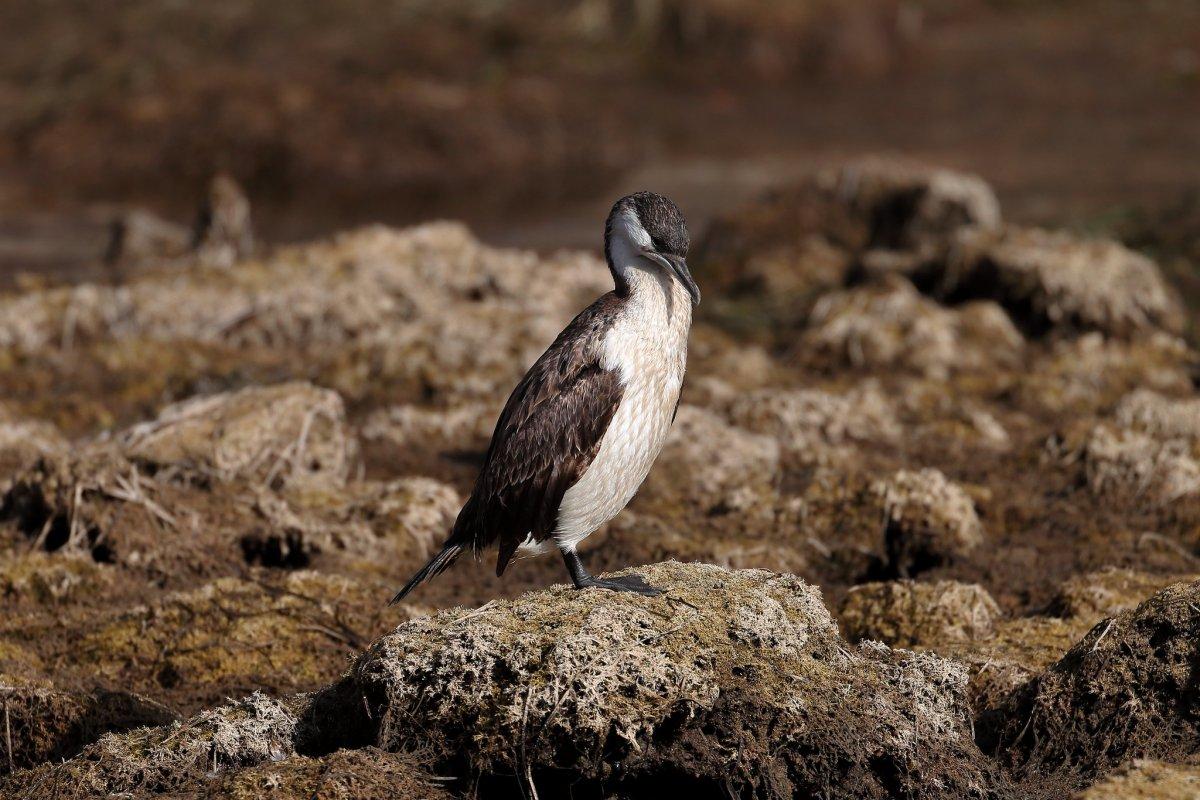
(648, 349)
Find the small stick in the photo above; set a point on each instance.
(8, 738)
(1106, 630)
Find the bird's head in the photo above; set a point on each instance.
(648, 230)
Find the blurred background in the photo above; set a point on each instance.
(526, 117)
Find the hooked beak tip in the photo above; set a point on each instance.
(679, 268)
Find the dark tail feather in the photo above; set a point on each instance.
(436, 566)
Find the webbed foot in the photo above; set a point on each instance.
(624, 583)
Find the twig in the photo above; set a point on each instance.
(475, 613)
(131, 492)
(1163, 540)
(1106, 630)
(673, 599)
(8, 738)
(40, 541)
(524, 757)
(76, 500)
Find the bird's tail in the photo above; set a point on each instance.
(436, 566)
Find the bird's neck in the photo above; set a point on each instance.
(655, 296)
(649, 288)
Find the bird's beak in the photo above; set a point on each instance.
(678, 266)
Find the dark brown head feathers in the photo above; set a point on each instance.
(661, 218)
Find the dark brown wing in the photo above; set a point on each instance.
(547, 435)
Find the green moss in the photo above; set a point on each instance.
(230, 634)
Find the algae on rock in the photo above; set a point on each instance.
(704, 682)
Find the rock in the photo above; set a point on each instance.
(907, 204)
(1163, 418)
(42, 723)
(366, 774)
(1091, 372)
(67, 502)
(742, 537)
(1143, 779)
(1124, 691)
(409, 426)
(906, 613)
(257, 476)
(223, 234)
(149, 761)
(425, 314)
(963, 623)
(24, 441)
(800, 240)
(394, 522)
(709, 464)
(291, 433)
(1123, 465)
(114, 497)
(1108, 592)
(928, 520)
(810, 422)
(1149, 454)
(716, 356)
(1056, 281)
(887, 326)
(573, 688)
(140, 237)
(420, 511)
(956, 420)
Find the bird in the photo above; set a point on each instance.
(580, 431)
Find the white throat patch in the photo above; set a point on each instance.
(626, 243)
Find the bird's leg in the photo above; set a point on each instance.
(583, 579)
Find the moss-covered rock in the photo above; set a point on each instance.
(1148, 780)
(774, 243)
(1126, 690)
(961, 622)
(149, 761)
(366, 774)
(891, 326)
(1121, 465)
(908, 613)
(1161, 417)
(39, 722)
(705, 683)
(708, 465)
(1015, 653)
(34, 576)
(1091, 597)
(290, 433)
(928, 520)
(1054, 280)
(1090, 373)
(23, 441)
(814, 426)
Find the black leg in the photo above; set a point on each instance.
(626, 583)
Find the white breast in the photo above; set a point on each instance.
(647, 347)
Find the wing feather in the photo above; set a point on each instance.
(546, 437)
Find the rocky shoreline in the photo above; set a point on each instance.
(929, 521)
